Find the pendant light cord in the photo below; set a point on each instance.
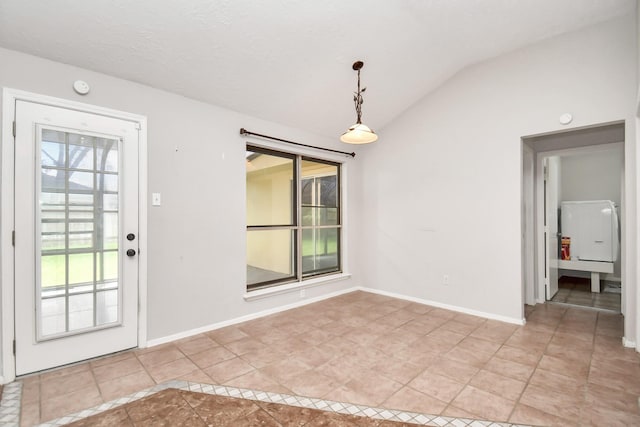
(358, 100)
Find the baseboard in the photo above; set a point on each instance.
(628, 343)
(458, 309)
(224, 323)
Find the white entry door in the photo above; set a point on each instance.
(76, 236)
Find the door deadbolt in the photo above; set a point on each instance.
(131, 236)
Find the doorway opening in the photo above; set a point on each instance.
(573, 204)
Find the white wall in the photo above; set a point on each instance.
(593, 176)
(196, 239)
(443, 184)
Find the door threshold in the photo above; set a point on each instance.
(566, 304)
(71, 365)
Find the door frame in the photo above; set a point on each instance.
(528, 225)
(7, 195)
(540, 214)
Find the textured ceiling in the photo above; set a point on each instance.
(289, 61)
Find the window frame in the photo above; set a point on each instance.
(337, 226)
(296, 226)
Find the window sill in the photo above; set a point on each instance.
(292, 287)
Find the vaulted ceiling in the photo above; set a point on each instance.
(289, 61)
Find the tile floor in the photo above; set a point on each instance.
(577, 291)
(566, 366)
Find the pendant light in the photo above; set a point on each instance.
(358, 133)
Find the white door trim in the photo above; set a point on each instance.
(528, 223)
(9, 98)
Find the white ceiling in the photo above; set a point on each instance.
(289, 61)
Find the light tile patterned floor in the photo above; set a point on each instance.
(565, 367)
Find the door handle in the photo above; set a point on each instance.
(131, 252)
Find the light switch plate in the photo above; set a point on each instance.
(155, 199)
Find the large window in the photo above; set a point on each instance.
(293, 217)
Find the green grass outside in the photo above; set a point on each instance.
(331, 246)
(80, 268)
(81, 265)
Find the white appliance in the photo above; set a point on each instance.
(593, 229)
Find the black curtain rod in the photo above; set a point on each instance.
(243, 131)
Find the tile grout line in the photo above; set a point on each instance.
(593, 349)
(40, 400)
(544, 351)
(450, 402)
(555, 329)
(568, 307)
(95, 380)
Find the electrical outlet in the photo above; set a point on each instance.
(303, 293)
(445, 280)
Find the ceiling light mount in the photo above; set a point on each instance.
(359, 133)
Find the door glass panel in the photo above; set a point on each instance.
(52, 201)
(54, 240)
(80, 268)
(78, 218)
(108, 182)
(107, 307)
(53, 227)
(53, 268)
(80, 183)
(81, 226)
(81, 151)
(52, 149)
(110, 202)
(109, 265)
(109, 230)
(53, 316)
(80, 311)
(81, 201)
(53, 182)
(107, 155)
(74, 214)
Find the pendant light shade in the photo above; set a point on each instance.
(359, 133)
